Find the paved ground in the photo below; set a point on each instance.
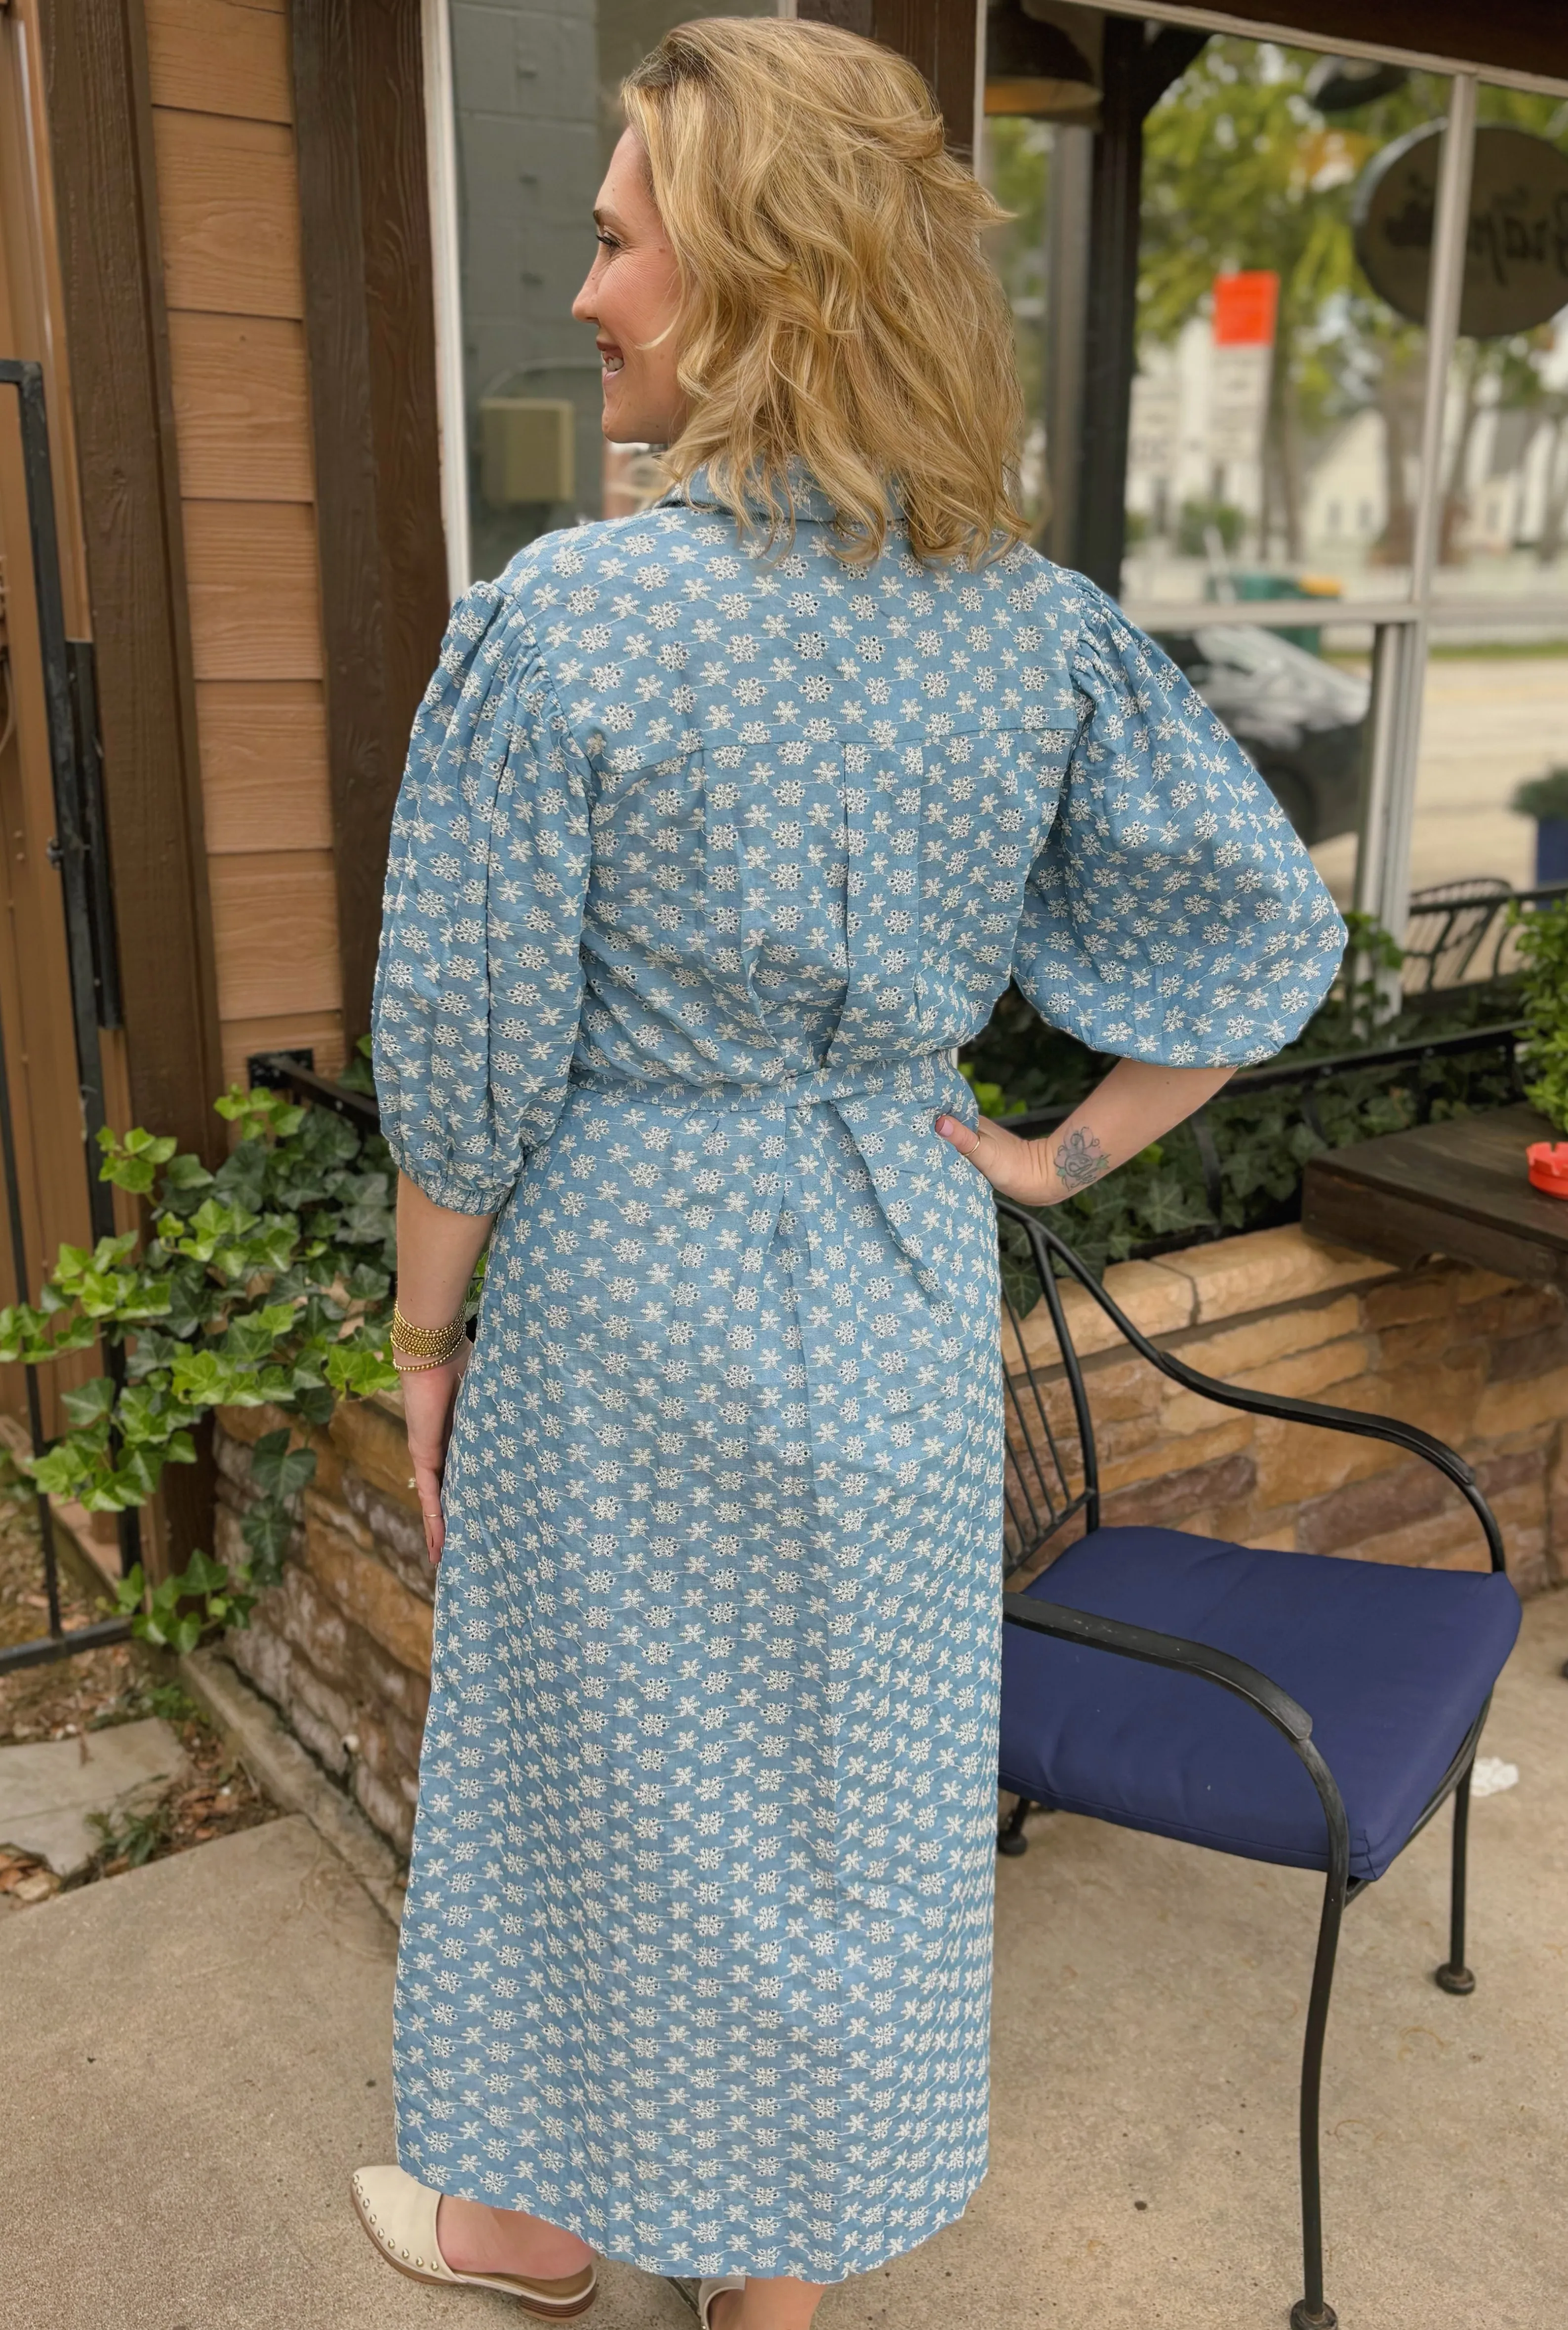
(51, 1789)
(199, 2050)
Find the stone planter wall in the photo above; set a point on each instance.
(1481, 1362)
(343, 1645)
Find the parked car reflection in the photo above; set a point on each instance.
(1300, 720)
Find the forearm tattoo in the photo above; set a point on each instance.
(1080, 1158)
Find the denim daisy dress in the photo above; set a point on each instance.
(706, 859)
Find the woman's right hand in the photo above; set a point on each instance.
(429, 1397)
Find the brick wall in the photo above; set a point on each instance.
(343, 1645)
(1479, 1360)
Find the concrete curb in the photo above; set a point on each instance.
(282, 1769)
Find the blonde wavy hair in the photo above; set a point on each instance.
(837, 310)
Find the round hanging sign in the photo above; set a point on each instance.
(1516, 261)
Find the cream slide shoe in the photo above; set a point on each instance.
(399, 2213)
(708, 2290)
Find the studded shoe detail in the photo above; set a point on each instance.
(398, 2214)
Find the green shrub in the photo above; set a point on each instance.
(1194, 519)
(1544, 797)
(1544, 946)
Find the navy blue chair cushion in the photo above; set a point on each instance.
(1392, 1665)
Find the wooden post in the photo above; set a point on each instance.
(111, 277)
(937, 36)
(370, 331)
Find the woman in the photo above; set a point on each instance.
(723, 825)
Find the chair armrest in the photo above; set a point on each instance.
(1045, 1243)
(1157, 1650)
(1233, 1674)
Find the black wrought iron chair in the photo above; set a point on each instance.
(1373, 1682)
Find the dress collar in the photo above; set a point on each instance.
(812, 506)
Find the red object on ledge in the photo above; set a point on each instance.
(1549, 1167)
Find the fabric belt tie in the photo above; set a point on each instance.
(885, 1106)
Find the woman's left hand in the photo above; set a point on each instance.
(429, 1397)
(1017, 1169)
(1134, 1104)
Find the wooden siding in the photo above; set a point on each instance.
(241, 408)
(220, 79)
(263, 765)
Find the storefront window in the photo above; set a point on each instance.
(1496, 702)
(1277, 405)
(535, 116)
(1297, 476)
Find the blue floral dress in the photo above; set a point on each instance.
(704, 862)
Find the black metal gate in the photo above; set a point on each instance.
(79, 852)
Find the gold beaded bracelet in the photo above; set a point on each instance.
(427, 1347)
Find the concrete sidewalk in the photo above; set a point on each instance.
(195, 2056)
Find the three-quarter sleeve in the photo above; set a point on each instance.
(479, 981)
(1171, 915)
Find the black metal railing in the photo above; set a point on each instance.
(295, 1073)
(78, 852)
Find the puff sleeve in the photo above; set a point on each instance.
(1172, 914)
(479, 981)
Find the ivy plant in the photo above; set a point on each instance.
(1544, 946)
(268, 1281)
(162, 1614)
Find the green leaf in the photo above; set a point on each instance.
(133, 1173)
(202, 1575)
(137, 1475)
(1165, 1207)
(278, 1469)
(63, 1471)
(313, 1400)
(242, 1179)
(91, 1402)
(187, 1172)
(267, 1528)
(204, 1379)
(131, 1163)
(159, 1147)
(211, 1224)
(264, 1114)
(145, 1412)
(152, 1299)
(358, 1373)
(128, 1591)
(358, 1075)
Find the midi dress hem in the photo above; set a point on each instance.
(677, 2262)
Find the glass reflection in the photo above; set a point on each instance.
(535, 92)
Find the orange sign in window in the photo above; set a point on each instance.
(1245, 306)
